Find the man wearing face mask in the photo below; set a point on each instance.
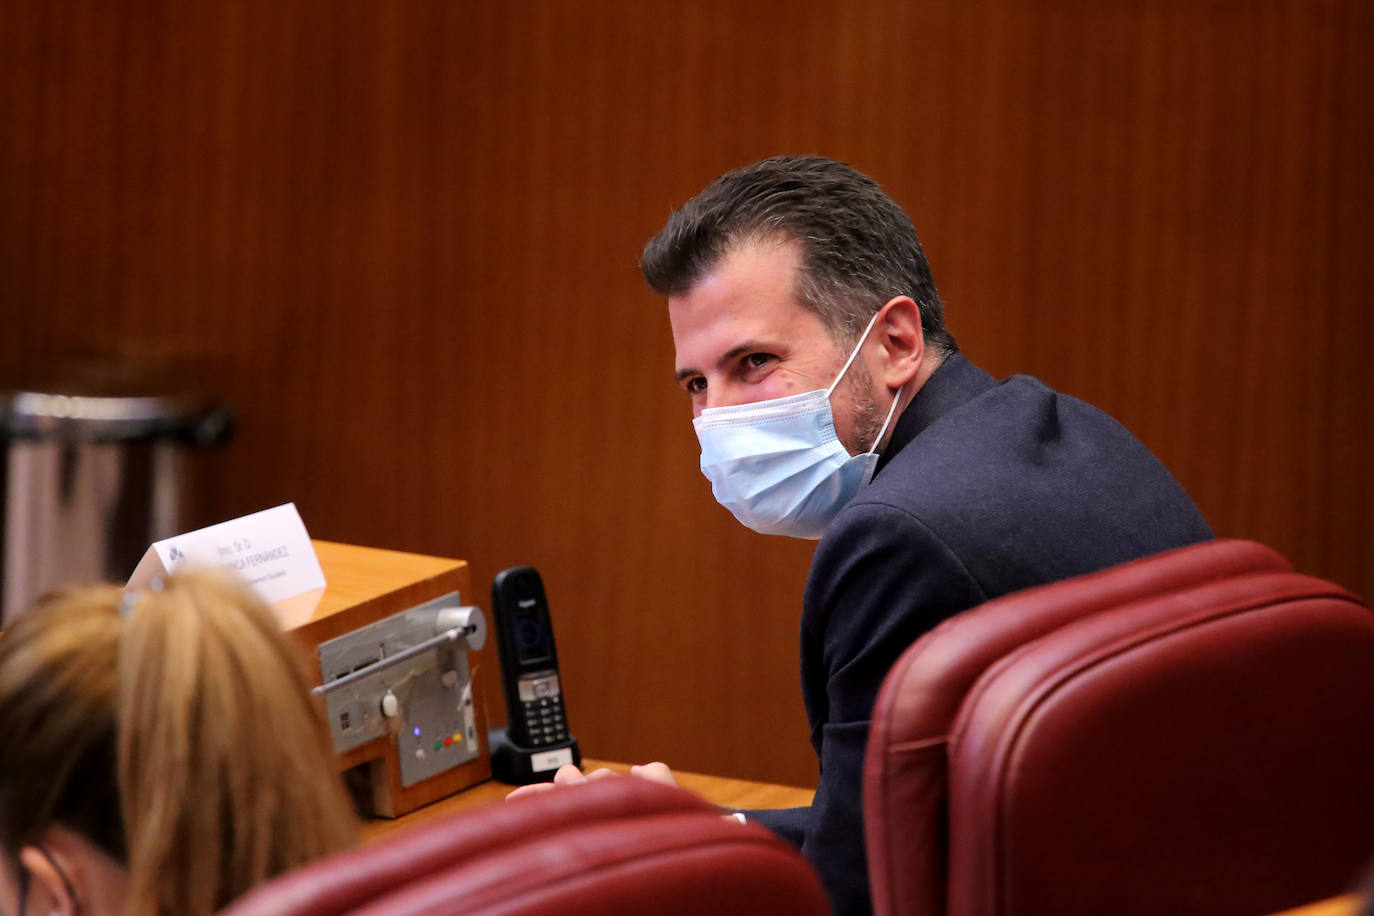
(831, 402)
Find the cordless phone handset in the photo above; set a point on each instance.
(536, 740)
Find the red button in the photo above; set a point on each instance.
(448, 742)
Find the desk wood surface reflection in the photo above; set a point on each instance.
(734, 793)
(1348, 905)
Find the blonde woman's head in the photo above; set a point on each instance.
(165, 747)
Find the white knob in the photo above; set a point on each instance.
(419, 753)
(391, 706)
(449, 678)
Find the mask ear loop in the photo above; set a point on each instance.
(25, 879)
(891, 412)
(62, 873)
(23, 888)
(855, 354)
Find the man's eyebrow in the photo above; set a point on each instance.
(729, 356)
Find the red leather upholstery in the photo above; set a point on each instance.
(1206, 751)
(905, 784)
(611, 846)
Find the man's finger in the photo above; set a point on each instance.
(654, 772)
(532, 789)
(569, 775)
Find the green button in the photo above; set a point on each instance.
(438, 745)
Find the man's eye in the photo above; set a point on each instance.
(758, 360)
(695, 385)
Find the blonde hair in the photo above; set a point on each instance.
(175, 731)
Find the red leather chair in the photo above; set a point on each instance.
(615, 846)
(1189, 733)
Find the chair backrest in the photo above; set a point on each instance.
(907, 788)
(612, 846)
(1209, 751)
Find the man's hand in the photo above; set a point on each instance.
(571, 776)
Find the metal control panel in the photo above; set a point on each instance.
(407, 676)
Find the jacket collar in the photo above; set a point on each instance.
(955, 381)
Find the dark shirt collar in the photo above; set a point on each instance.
(955, 381)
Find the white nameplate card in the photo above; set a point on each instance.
(550, 760)
(269, 550)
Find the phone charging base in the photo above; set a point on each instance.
(518, 766)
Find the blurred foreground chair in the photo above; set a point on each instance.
(614, 846)
(1188, 733)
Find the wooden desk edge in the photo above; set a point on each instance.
(720, 790)
(1348, 905)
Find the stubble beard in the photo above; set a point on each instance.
(863, 435)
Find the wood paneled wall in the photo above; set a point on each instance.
(402, 238)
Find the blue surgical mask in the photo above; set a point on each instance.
(779, 465)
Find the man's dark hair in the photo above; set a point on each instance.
(859, 249)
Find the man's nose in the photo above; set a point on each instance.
(724, 396)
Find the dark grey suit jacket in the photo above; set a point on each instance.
(986, 488)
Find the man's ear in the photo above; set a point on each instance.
(49, 891)
(899, 333)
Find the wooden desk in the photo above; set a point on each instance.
(1348, 905)
(734, 793)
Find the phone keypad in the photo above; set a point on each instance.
(542, 698)
(545, 720)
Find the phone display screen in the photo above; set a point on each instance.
(532, 643)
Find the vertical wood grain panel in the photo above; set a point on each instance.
(402, 238)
